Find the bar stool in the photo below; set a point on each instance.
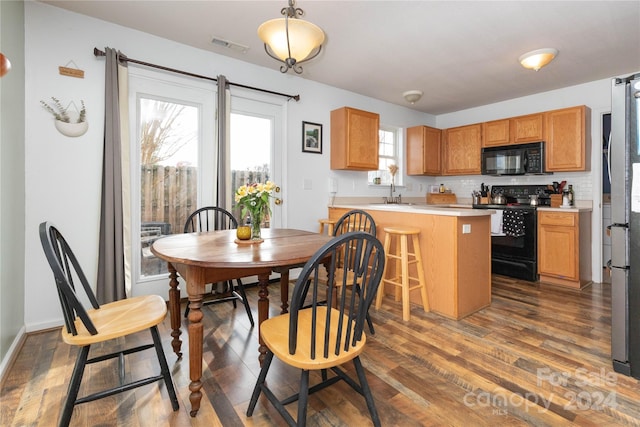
(401, 258)
(331, 224)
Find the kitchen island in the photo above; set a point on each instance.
(455, 243)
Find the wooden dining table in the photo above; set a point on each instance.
(215, 256)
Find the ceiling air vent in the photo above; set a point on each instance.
(229, 45)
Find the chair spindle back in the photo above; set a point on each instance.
(66, 269)
(364, 255)
(210, 218)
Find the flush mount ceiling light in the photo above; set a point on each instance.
(291, 40)
(537, 59)
(412, 96)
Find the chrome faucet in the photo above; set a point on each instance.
(392, 200)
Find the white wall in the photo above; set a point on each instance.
(63, 174)
(12, 160)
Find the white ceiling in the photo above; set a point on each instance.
(462, 54)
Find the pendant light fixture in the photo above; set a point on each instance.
(291, 40)
(537, 59)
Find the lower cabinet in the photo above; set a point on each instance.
(457, 265)
(564, 255)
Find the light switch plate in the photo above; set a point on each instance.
(466, 228)
(307, 184)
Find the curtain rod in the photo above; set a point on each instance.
(98, 52)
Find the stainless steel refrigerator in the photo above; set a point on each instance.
(624, 152)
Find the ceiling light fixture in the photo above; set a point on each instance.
(412, 96)
(537, 59)
(291, 40)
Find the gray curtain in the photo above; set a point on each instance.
(111, 265)
(222, 118)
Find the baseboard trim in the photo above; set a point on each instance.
(12, 354)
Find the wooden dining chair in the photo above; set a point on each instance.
(211, 218)
(356, 220)
(85, 327)
(314, 336)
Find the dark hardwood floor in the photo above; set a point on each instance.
(538, 356)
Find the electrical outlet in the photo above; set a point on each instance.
(307, 184)
(466, 228)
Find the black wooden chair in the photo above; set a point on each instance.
(212, 218)
(356, 220)
(85, 327)
(314, 336)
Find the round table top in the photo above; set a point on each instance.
(218, 249)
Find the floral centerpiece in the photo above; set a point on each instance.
(254, 199)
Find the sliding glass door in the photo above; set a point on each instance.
(174, 158)
(172, 164)
(256, 150)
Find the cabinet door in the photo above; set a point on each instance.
(558, 251)
(565, 148)
(354, 139)
(462, 147)
(527, 128)
(495, 133)
(424, 149)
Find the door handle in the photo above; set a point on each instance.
(277, 201)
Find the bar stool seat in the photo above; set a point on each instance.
(331, 224)
(402, 259)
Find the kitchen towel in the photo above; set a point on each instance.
(513, 222)
(496, 223)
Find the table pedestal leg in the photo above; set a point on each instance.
(174, 310)
(263, 311)
(195, 352)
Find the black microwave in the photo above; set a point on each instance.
(518, 159)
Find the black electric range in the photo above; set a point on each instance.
(516, 255)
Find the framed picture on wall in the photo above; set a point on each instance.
(311, 137)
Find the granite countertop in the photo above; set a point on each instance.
(419, 208)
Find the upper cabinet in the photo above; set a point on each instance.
(462, 148)
(496, 133)
(354, 139)
(515, 130)
(424, 148)
(566, 141)
(527, 128)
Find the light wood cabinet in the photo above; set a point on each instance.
(528, 128)
(564, 256)
(515, 130)
(496, 133)
(567, 147)
(424, 151)
(354, 139)
(462, 148)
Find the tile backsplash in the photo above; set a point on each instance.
(464, 186)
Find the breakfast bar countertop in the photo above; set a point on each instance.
(419, 208)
